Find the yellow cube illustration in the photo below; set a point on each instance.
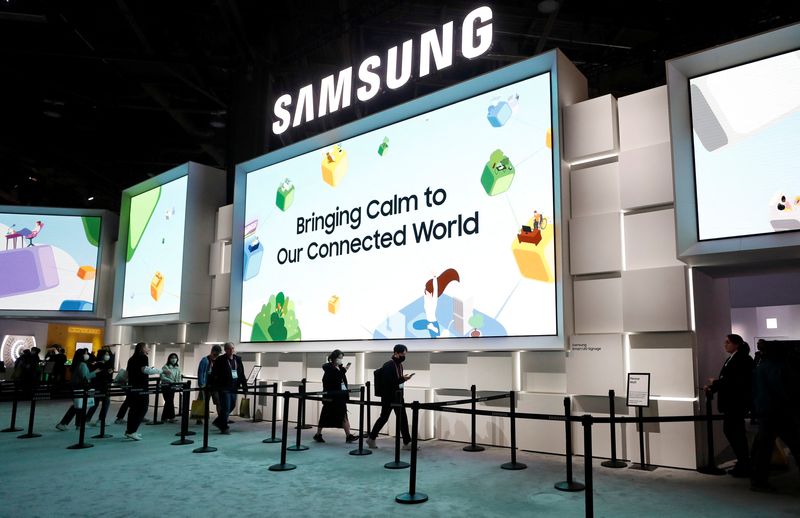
(86, 273)
(334, 165)
(157, 286)
(548, 138)
(535, 260)
(333, 304)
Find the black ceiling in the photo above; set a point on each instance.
(99, 95)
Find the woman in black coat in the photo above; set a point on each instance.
(734, 399)
(334, 404)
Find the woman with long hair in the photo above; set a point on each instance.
(334, 404)
(170, 374)
(80, 379)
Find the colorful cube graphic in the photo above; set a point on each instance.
(499, 113)
(535, 260)
(253, 253)
(334, 165)
(384, 147)
(27, 270)
(498, 173)
(548, 138)
(75, 305)
(333, 304)
(285, 195)
(86, 273)
(157, 286)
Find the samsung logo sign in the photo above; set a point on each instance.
(335, 91)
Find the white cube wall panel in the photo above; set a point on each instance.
(666, 444)
(452, 374)
(671, 370)
(595, 190)
(489, 372)
(544, 371)
(545, 436)
(590, 128)
(650, 240)
(601, 433)
(655, 300)
(643, 119)
(595, 364)
(598, 305)
(595, 244)
(645, 176)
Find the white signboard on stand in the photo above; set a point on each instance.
(638, 389)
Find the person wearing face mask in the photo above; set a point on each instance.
(334, 405)
(170, 373)
(104, 372)
(139, 371)
(393, 379)
(80, 379)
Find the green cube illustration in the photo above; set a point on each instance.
(498, 173)
(384, 146)
(285, 195)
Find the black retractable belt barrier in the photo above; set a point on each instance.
(272, 438)
(155, 420)
(397, 463)
(301, 416)
(613, 463)
(187, 386)
(369, 410)
(184, 415)
(301, 409)
(472, 446)
(642, 466)
(284, 466)
(205, 448)
(103, 434)
(711, 467)
(587, 421)
(514, 465)
(361, 450)
(412, 497)
(13, 426)
(35, 395)
(569, 484)
(82, 414)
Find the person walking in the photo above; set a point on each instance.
(138, 370)
(104, 372)
(203, 371)
(392, 379)
(81, 376)
(170, 374)
(334, 404)
(227, 375)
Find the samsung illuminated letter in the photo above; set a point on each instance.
(336, 92)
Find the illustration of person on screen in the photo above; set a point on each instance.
(434, 288)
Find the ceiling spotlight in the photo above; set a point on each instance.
(90, 198)
(52, 114)
(548, 6)
(217, 124)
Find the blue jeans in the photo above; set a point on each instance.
(227, 401)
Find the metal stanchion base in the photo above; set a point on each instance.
(204, 449)
(711, 470)
(361, 451)
(188, 432)
(569, 486)
(154, 423)
(473, 447)
(614, 464)
(643, 467)
(408, 498)
(104, 436)
(304, 427)
(297, 448)
(396, 465)
(29, 435)
(15, 429)
(513, 465)
(282, 467)
(80, 446)
(182, 441)
(271, 440)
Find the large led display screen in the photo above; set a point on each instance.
(440, 225)
(154, 251)
(48, 262)
(746, 136)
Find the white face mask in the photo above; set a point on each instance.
(173, 362)
(86, 357)
(106, 358)
(339, 361)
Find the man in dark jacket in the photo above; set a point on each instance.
(392, 380)
(225, 377)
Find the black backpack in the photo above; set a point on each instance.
(381, 384)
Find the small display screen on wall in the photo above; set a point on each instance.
(48, 262)
(441, 225)
(154, 251)
(746, 136)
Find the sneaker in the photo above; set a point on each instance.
(318, 438)
(173, 420)
(119, 421)
(225, 431)
(93, 424)
(351, 438)
(145, 420)
(371, 444)
(134, 436)
(407, 446)
(61, 427)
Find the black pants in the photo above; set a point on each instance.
(386, 411)
(169, 403)
(770, 427)
(137, 409)
(733, 428)
(123, 409)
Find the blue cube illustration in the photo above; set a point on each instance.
(499, 114)
(253, 253)
(75, 305)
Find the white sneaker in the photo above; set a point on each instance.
(119, 421)
(93, 424)
(134, 436)
(371, 444)
(408, 447)
(61, 427)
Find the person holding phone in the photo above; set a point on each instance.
(393, 378)
(334, 403)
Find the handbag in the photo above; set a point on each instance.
(244, 408)
(198, 408)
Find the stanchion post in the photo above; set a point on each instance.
(13, 426)
(397, 463)
(613, 463)
(512, 406)
(587, 422)
(569, 484)
(255, 401)
(188, 388)
(369, 409)
(81, 444)
(300, 411)
(272, 438)
(711, 467)
(155, 420)
(284, 466)
(184, 416)
(103, 434)
(301, 418)
(32, 417)
(205, 448)
(642, 466)
(361, 450)
(412, 497)
(472, 446)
